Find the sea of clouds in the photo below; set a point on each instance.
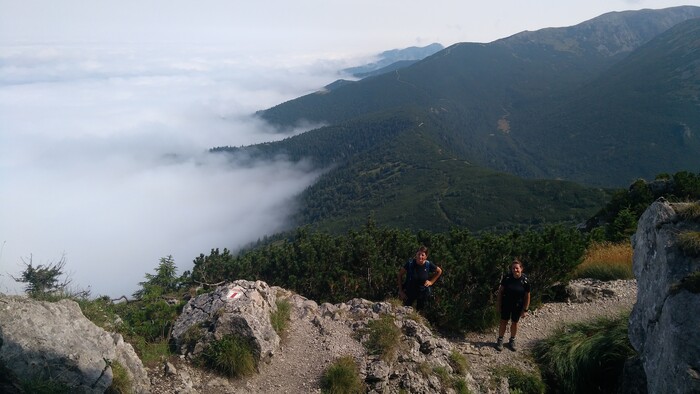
(104, 162)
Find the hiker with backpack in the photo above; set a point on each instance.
(419, 275)
(513, 302)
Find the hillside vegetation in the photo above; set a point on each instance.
(468, 136)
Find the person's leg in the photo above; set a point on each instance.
(513, 329)
(410, 298)
(501, 332)
(502, 328)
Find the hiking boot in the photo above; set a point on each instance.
(499, 344)
(511, 344)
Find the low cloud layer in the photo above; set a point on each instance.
(103, 158)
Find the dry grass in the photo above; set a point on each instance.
(689, 211)
(689, 242)
(606, 261)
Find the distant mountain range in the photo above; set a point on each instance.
(392, 60)
(467, 135)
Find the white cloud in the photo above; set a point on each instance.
(103, 158)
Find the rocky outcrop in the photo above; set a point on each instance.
(423, 362)
(241, 308)
(587, 290)
(54, 341)
(665, 322)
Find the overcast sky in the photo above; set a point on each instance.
(107, 109)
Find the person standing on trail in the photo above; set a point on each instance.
(419, 275)
(513, 302)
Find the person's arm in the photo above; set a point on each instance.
(499, 298)
(526, 303)
(402, 273)
(431, 281)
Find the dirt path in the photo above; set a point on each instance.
(480, 347)
(310, 347)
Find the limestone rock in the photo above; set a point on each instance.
(53, 340)
(241, 308)
(664, 322)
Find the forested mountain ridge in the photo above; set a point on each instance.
(603, 103)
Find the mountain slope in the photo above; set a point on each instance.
(431, 145)
(475, 93)
(640, 118)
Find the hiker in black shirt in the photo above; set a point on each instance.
(420, 275)
(513, 302)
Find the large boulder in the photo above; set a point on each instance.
(54, 341)
(241, 308)
(664, 325)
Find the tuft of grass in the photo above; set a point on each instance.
(384, 337)
(606, 261)
(150, 353)
(121, 383)
(689, 211)
(585, 357)
(192, 336)
(690, 283)
(230, 356)
(99, 311)
(689, 242)
(45, 386)
(342, 377)
(280, 318)
(458, 362)
(395, 302)
(520, 381)
(418, 318)
(443, 375)
(460, 386)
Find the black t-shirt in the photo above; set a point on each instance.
(421, 273)
(514, 290)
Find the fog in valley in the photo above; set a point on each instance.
(107, 163)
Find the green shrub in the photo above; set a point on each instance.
(280, 318)
(520, 381)
(231, 356)
(585, 357)
(458, 362)
(121, 383)
(342, 377)
(384, 337)
(689, 242)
